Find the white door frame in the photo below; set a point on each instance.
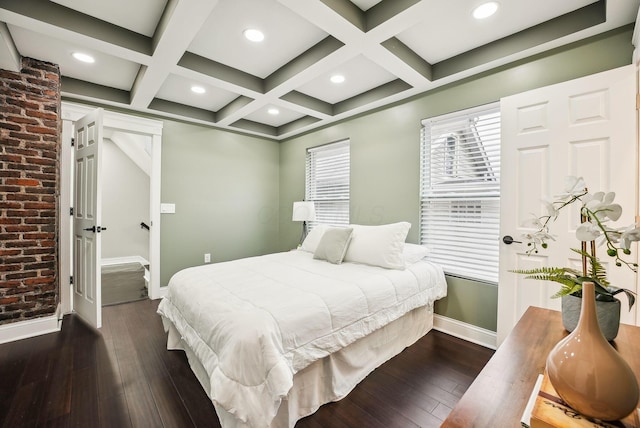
(121, 122)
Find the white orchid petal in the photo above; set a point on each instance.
(570, 182)
(587, 232)
(613, 211)
(574, 184)
(630, 234)
(625, 243)
(609, 197)
(593, 205)
(598, 196)
(614, 236)
(600, 240)
(550, 208)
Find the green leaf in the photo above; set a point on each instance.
(630, 295)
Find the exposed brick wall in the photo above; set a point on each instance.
(29, 151)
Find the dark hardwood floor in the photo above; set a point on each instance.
(123, 376)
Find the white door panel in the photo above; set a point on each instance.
(584, 127)
(87, 218)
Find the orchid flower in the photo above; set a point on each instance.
(600, 204)
(552, 211)
(534, 222)
(573, 188)
(588, 231)
(597, 210)
(597, 213)
(539, 237)
(630, 234)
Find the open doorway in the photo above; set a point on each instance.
(138, 241)
(126, 181)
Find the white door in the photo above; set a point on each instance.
(87, 225)
(584, 127)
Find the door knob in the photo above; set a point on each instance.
(95, 229)
(508, 239)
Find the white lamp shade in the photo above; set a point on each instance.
(304, 211)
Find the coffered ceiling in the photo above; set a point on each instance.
(150, 53)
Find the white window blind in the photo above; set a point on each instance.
(460, 192)
(327, 183)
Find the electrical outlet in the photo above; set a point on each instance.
(207, 258)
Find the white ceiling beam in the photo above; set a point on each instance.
(394, 65)
(48, 18)
(179, 25)
(327, 19)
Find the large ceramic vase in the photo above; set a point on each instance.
(587, 373)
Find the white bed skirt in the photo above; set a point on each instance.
(333, 377)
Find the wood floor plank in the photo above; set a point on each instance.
(114, 412)
(108, 371)
(381, 409)
(57, 397)
(27, 398)
(141, 405)
(170, 406)
(11, 371)
(84, 397)
(353, 415)
(399, 396)
(195, 400)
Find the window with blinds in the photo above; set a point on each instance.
(327, 183)
(460, 192)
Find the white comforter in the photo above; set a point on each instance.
(253, 323)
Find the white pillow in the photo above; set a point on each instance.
(413, 253)
(312, 239)
(333, 245)
(378, 245)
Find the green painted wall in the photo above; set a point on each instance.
(385, 151)
(225, 187)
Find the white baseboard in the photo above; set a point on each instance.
(163, 291)
(30, 328)
(124, 260)
(468, 332)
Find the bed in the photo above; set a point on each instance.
(271, 338)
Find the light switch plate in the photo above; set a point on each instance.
(167, 208)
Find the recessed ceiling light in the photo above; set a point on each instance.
(83, 57)
(337, 78)
(253, 35)
(485, 10)
(273, 111)
(198, 89)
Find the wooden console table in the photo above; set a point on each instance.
(500, 393)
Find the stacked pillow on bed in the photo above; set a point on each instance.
(381, 246)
